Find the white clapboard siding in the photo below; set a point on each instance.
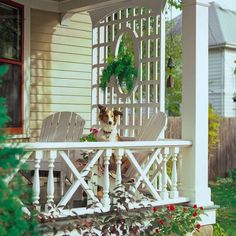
(55, 56)
(60, 100)
(60, 82)
(40, 37)
(60, 67)
(60, 74)
(216, 76)
(230, 83)
(49, 90)
(45, 47)
(41, 115)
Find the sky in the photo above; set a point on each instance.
(228, 4)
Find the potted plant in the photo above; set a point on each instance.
(122, 67)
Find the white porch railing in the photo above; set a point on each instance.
(157, 181)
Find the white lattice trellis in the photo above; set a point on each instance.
(146, 28)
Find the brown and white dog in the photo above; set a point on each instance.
(108, 120)
(108, 132)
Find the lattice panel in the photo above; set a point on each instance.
(143, 26)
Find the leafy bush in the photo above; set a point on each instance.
(13, 221)
(218, 230)
(213, 129)
(232, 174)
(175, 219)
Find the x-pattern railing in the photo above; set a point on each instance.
(151, 172)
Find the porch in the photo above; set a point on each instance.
(175, 171)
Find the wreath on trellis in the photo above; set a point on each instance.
(122, 67)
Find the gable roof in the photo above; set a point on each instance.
(222, 26)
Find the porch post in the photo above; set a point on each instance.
(195, 102)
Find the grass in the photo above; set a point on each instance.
(224, 195)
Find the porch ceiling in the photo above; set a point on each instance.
(91, 5)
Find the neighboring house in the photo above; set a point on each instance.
(222, 54)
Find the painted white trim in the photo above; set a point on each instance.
(195, 105)
(98, 14)
(204, 3)
(162, 62)
(84, 5)
(104, 145)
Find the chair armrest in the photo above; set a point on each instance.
(125, 138)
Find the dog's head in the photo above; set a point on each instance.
(108, 118)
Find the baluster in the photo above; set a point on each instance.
(160, 181)
(153, 171)
(50, 184)
(179, 171)
(106, 198)
(36, 179)
(120, 154)
(174, 193)
(164, 193)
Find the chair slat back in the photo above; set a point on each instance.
(62, 127)
(151, 131)
(153, 127)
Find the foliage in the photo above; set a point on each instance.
(176, 3)
(232, 174)
(90, 137)
(177, 219)
(123, 221)
(213, 129)
(223, 194)
(123, 69)
(218, 230)
(173, 97)
(12, 219)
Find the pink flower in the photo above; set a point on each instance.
(195, 214)
(157, 231)
(161, 222)
(194, 206)
(94, 130)
(171, 207)
(154, 209)
(201, 208)
(198, 226)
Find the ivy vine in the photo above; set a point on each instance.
(122, 67)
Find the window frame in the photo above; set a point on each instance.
(18, 130)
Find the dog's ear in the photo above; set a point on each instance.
(101, 108)
(116, 113)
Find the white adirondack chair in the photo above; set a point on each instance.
(60, 127)
(150, 131)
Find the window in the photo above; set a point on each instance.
(11, 56)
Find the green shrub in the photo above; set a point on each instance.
(213, 129)
(232, 174)
(13, 221)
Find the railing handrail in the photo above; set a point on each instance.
(104, 145)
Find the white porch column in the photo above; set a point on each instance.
(195, 101)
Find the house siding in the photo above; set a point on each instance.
(216, 80)
(230, 83)
(60, 67)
